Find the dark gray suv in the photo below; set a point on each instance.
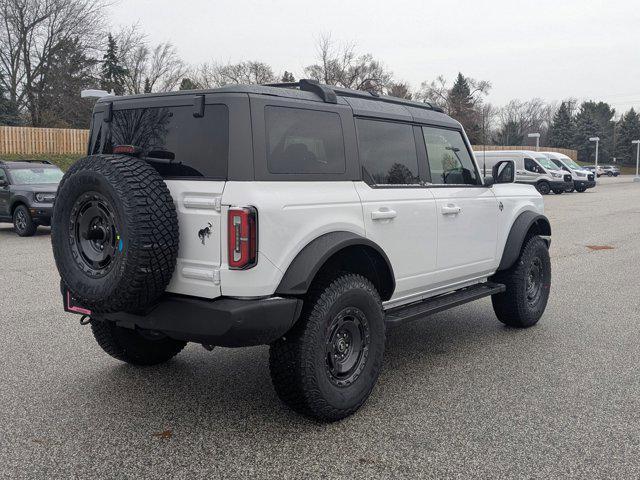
(27, 191)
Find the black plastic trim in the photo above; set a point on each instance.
(303, 269)
(518, 233)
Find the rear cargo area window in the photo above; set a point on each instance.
(304, 141)
(175, 142)
(388, 152)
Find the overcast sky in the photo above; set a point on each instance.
(550, 49)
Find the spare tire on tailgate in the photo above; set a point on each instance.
(114, 233)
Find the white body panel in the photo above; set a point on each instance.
(576, 173)
(487, 159)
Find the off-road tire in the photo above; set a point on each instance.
(543, 187)
(23, 223)
(141, 233)
(299, 362)
(134, 347)
(521, 306)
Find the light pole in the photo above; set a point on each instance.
(637, 177)
(537, 137)
(597, 140)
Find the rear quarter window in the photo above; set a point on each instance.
(300, 141)
(175, 142)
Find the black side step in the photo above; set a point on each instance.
(406, 313)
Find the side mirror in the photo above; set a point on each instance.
(504, 172)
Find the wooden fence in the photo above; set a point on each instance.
(573, 154)
(33, 141)
(29, 140)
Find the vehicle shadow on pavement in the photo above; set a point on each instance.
(6, 229)
(229, 389)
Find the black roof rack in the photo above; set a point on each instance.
(329, 94)
(5, 162)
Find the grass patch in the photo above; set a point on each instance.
(62, 161)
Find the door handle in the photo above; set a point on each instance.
(383, 214)
(451, 209)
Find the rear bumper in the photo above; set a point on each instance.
(224, 322)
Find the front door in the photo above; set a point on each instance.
(467, 211)
(4, 195)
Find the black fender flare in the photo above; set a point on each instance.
(519, 230)
(304, 267)
(17, 200)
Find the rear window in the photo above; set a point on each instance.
(175, 142)
(303, 141)
(388, 152)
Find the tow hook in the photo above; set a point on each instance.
(207, 347)
(85, 320)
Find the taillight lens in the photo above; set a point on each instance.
(242, 224)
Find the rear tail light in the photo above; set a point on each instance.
(243, 237)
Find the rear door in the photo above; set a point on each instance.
(399, 212)
(467, 211)
(190, 150)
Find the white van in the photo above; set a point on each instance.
(532, 168)
(582, 178)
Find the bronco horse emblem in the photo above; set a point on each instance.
(205, 232)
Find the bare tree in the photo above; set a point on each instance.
(340, 65)
(32, 33)
(158, 68)
(523, 117)
(215, 74)
(399, 90)
(438, 92)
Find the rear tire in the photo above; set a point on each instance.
(558, 191)
(134, 346)
(528, 284)
(328, 364)
(543, 187)
(570, 190)
(23, 223)
(581, 189)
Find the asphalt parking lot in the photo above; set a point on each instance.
(460, 396)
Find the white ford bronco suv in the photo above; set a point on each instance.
(301, 216)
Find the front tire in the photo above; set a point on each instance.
(528, 285)
(581, 189)
(544, 188)
(23, 223)
(328, 364)
(558, 191)
(134, 346)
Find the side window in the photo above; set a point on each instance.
(388, 152)
(3, 176)
(304, 141)
(449, 158)
(531, 166)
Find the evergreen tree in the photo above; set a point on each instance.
(287, 77)
(113, 73)
(188, 84)
(594, 120)
(629, 128)
(462, 107)
(562, 129)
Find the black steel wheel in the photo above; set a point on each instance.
(543, 187)
(528, 285)
(328, 364)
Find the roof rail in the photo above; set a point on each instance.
(325, 92)
(329, 94)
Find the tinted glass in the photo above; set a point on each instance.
(530, 165)
(175, 142)
(449, 159)
(304, 141)
(388, 152)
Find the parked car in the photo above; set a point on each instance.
(610, 170)
(582, 179)
(532, 168)
(306, 217)
(598, 171)
(27, 191)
